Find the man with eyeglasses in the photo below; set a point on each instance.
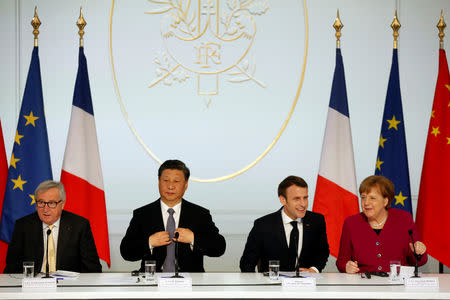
(68, 236)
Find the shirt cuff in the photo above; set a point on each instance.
(315, 269)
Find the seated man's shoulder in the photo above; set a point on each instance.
(70, 216)
(28, 219)
(314, 215)
(269, 218)
(146, 208)
(192, 206)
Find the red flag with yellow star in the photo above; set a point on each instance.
(433, 208)
(3, 178)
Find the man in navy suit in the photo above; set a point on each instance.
(294, 236)
(152, 230)
(71, 235)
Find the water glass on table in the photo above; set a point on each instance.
(28, 269)
(394, 268)
(150, 269)
(274, 269)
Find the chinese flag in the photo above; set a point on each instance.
(433, 208)
(3, 178)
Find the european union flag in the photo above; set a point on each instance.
(30, 160)
(392, 159)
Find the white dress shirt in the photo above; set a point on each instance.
(55, 232)
(287, 230)
(165, 216)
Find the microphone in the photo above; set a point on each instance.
(47, 273)
(176, 236)
(417, 257)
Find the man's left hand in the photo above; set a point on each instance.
(307, 270)
(185, 235)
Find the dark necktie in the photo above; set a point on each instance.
(169, 262)
(293, 244)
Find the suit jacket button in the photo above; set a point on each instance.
(379, 268)
(377, 243)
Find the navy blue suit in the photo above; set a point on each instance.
(148, 220)
(76, 247)
(267, 241)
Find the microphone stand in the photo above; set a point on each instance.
(297, 265)
(47, 273)
(176, 257)
(417, 258)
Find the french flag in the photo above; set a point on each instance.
(336, 197)
(82, 172)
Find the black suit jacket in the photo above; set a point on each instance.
(76, 247)
(148, 220)
(267, 241)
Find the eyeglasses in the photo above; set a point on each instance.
(51, 204)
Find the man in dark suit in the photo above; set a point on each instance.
(294, 236)
(70, 240)
(152, 230)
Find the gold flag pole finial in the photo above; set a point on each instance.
(35, 23)
(81, 23)
(441, 26)
(338, 27)
(395, 26)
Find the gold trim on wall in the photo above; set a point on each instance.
(250, 165)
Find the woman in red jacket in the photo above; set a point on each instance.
(380, 234)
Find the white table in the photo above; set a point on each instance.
(224, 286)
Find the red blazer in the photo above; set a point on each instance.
(373, 252)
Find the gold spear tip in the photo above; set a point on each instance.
(395, 26)
(35, 22)
(81, 23)
(441, 26)
(338, 27)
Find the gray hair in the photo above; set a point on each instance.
(50, 184)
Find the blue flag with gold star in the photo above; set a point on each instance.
(392, 158)
(30, 159)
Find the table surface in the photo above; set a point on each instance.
(224, 286)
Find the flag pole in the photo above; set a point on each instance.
(395, 26)
(338, 27)
(441, 26)
(81, 23)
(36, 23)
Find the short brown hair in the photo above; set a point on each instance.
(384, 185)
(288, 181)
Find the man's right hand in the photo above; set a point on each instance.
(159, 239)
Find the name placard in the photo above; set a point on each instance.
(39, 283)
(422, 282)
(175, 283)
(298, 283)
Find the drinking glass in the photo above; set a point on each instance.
(394, 267)
(274, 269)
(28, 269)
(150, 269)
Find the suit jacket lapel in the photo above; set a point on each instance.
(157, 216)
(184, 213)
(279, 230)
(64, 233)
(37, 235)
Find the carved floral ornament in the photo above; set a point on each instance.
(209, 42)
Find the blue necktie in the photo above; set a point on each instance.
(169, 262)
